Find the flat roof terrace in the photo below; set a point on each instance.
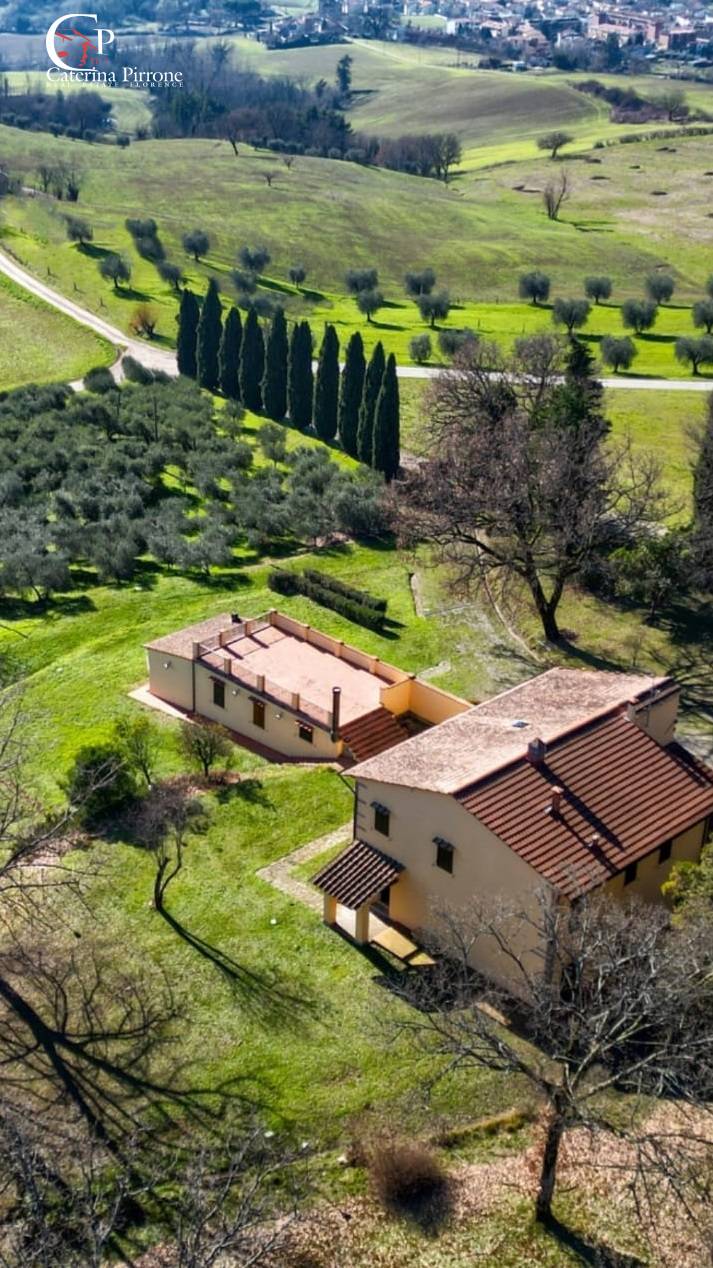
(287, 661)
(294, 665)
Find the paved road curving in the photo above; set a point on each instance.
(156, 358)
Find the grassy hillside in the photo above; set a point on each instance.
(41, 345)
(479, 233)
(400, 88)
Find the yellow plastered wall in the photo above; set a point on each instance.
(281, 724)
(171, 679)
(483, 867)
(650, 874)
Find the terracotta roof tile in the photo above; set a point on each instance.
(623, 795)
(357, 874)
(373, 733)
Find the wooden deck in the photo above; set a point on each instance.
(396, 943)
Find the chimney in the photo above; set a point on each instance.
(536, 750)
(336, 703)
(555, 806)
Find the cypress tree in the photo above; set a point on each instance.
(300, 382)
(351, 394)
(274, 384)
(188, 315)
(252, 362)
(577, 401)
(372, 386)
(326, 388)
(386, 454)
(208, 343)
(229, 356)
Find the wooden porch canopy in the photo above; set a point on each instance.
(357, 874)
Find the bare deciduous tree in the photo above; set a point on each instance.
(166, 819)
(613, 1008)
(516, 487)
(556, 194)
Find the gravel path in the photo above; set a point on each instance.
(279, 873)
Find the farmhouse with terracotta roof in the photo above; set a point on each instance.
(291, 690)
(572, 782)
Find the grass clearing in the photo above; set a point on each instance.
(40, 345)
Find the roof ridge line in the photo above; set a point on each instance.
(612, 711)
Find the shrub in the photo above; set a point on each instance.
(349, 592)
(408, 1180)
(135, 372)
(100, 380)
(292, 583)
(451, 342)
(99, 783)
(420, 348)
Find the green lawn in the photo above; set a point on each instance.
(497, 115)
(314, 1066)
(40, 345)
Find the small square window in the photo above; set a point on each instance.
(219, 693)
(630, 873)
(305, 733)
(259, 714)
(665, 852)
(444, 854)
(382, 819)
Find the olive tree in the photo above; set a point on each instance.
(695, 352)
(618, 352)
(703, 315)
(554, 141)
(598, 288)
(534, 286)
(639, 314)
(571, 313)
(660, 287)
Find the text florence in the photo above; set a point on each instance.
(130, 76)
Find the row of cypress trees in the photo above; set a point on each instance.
(274, 374)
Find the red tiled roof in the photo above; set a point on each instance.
(373, 733)
(623, 795)
(357, 874)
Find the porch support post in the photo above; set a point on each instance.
(329, 913)
(361, 923)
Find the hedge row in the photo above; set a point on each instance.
(291, 583)
(361, 597)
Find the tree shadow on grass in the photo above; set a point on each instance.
(129, 292)
(248, 789)
(596, 1255)
(591, 226)
(16, 609)
(262, 994)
